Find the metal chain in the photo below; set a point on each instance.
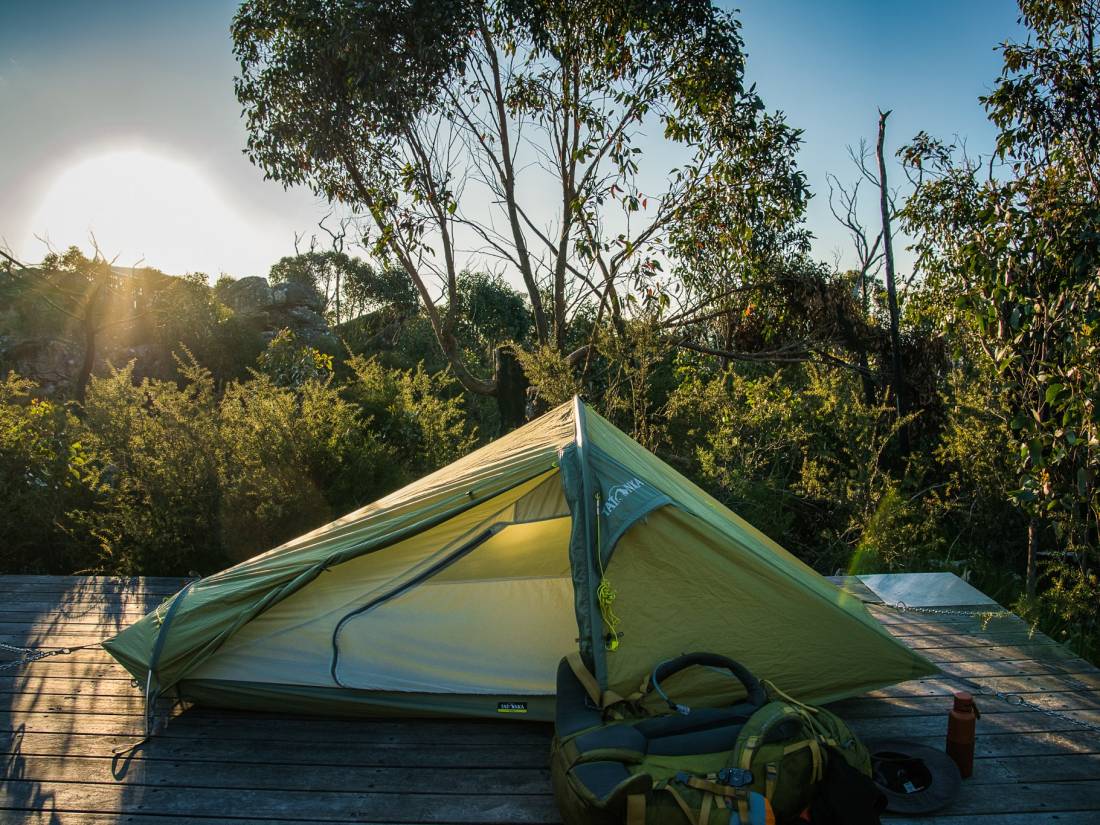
(978, 689)
(27, 655)
(902, 607)
(1017, 700)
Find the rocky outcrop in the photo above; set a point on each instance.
(292, 306)
(49, 362)
(247, 296)
(52, 356)
(294, 294)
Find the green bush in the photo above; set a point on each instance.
(292, 460)
(160, 444)
(290, 363)
(414, 413)
(796, 453)
(1067, 608)
(48, 475)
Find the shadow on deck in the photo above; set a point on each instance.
(73, 755)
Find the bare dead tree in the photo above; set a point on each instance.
(874, 249)
(336, 238)
(887, 211)
(844, 206)
(324, 267)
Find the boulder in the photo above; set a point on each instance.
(296, 294)
(311, 328)
(51, 362)
(248, 296)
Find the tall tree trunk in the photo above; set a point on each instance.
(1032, 555)
(87, 364)
(508, 183)
(727, 344)
(891, 284)
(870, 391)
(91, 330)
(511, 389)
(337, 296)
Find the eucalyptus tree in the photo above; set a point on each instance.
(588, 150)
(1016, 253)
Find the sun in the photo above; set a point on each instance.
(144, 206)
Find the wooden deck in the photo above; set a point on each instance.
(68, 723)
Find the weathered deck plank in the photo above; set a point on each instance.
(409, 806)
(288, 776)
(70, 733)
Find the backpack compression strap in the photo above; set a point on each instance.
(602, 699)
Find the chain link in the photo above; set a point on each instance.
(27, 655)
(986, 616)
(902, 607)
(978, 689)
(1017, 700)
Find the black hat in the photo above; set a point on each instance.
(915, 779)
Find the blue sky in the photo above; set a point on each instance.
(94, 92)
(831, 65)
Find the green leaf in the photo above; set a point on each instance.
(1035, 451)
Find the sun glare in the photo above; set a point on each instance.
(144, 206)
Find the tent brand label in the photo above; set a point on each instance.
(511, 707)
(618, 493)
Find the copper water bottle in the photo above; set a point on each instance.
(960, 733)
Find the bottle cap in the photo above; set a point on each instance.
(963, 701)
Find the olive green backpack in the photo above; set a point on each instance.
(757, 761)
(785, 744)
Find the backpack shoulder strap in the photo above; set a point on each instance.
(585, 677)
(603, 699)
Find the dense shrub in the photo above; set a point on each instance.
(48, 475)
(796, 453)
(159, 444)
(414, 413)
(292, 459)
(158, 477)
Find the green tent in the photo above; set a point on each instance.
(459, 593)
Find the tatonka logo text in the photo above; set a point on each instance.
(618, 493)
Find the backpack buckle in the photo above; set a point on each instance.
(734, 777)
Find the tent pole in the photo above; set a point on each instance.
(587, 498)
